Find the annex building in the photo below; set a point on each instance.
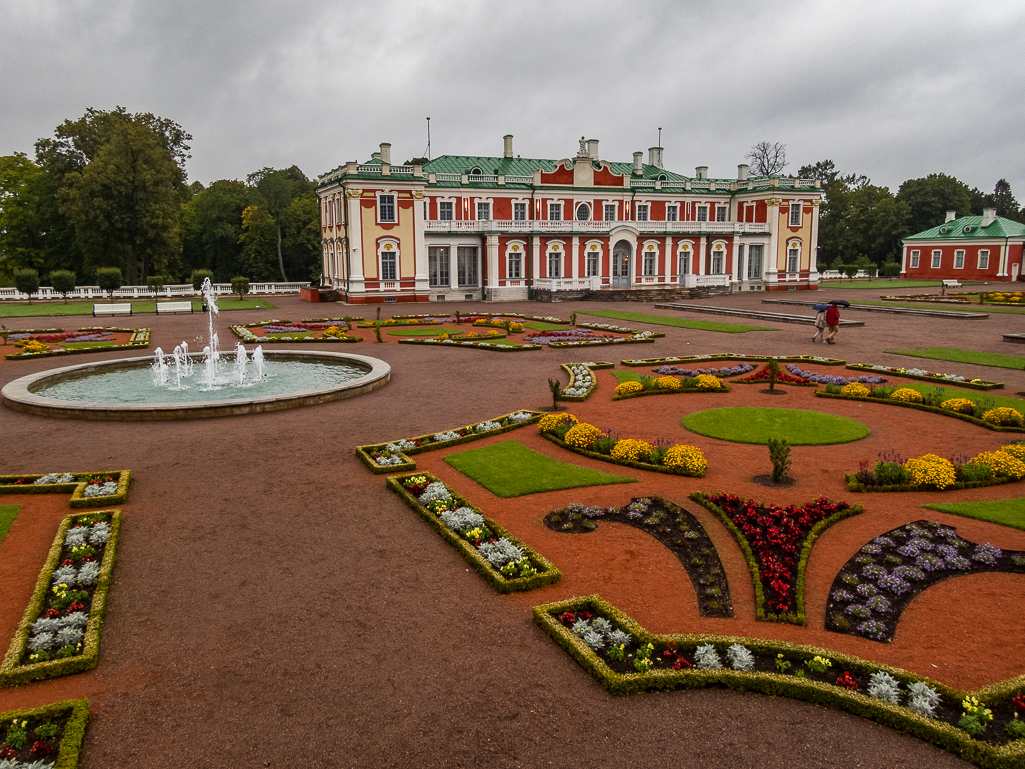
(986, 248)
(510, 228)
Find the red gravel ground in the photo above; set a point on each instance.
(275, 605)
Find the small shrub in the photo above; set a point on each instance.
(960, 405)
(707, 658)
(582, 435)
(63, 282)
(631, 449)
(892, 474)
(628, 388)
(740, 657)
(1004, 417)
(240, 285)
(1001, 463)
(550, 422)
(884, 687)
(931, 471)
(779, 455)
(667, 383)
(906, 395)
(707, 382)
(27, 282)
(109, 279)
(923, 699)
(687, 458)
(855, 390)
(197, 277)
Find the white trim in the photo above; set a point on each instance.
(960, 251)
(937, 259)
(914, 259)
(562, 209)
(489, 202)
(395, 204)
(388, 246)
(511, 250)
(447, 199)
(591, 248)
(800, 213)
(576, 210)
(979, 264)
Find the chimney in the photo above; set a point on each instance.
(386, 153)
(742, 172)
(655, 156)
(989, 215)
(701, 172)
(375, 156)
(507, 153)
(638, 165)
(951, 216)
(592, 148)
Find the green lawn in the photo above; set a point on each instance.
(1006, 512)
(756, 425)
(891, 286)
(663, 320)
(538, 325)
(75, 345)
(510, 469)
(7, 515)
(985, 308)
(995, 359)
(986, 398)
(57, 308)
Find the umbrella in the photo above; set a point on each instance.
(842, 302)
(821, 306)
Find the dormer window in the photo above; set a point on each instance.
(476, 171)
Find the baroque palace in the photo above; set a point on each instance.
(511, 228)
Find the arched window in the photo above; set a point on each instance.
(793, 255)
(388, 254)
(718, 258)
(476, 171)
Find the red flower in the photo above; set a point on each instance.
(847, 681)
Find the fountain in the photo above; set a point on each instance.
(173, 386)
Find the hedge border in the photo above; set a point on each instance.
(730, 356)
(694, 390)
(76, 488)
(800, 617)
(77, 714)
(12, 672)
(365, 452)
(922, 407)
(983, 384)
(854, 486)
(139, 340)
(620, 462)
(634, 339)
(596, 366)
(243, 333)
(547, 573)
(941, 734)
(482, 344)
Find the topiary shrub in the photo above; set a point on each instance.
(855, 390)
(27, 282)
(109, 279)
(628, 388)
(63, 282)
(582, 435)
(240, 285)
(197, 277)
(960, 405)
(906, 395)
(1003, 416)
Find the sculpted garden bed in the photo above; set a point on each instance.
(312, 330)
(926, 376)
(39, 738)
(51, 342)
(86, 489)
(931, 472)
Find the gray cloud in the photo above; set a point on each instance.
(890, 90)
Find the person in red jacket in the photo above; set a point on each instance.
(833, 322)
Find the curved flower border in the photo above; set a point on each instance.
(923, 407)
(734, 356)
(9, 484)
(138, 340)
(74, 714)
(972, 384)
(574, 385)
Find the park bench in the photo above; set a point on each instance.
(174, 307)
(952, 284)
(112, 309)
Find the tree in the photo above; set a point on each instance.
(20, 245)
(120, 181)
(1004, 202)
(276, 189)
(63, 282)
(240, 286)
(928, 199)
(109, 279)
(197, 278)
(27, 282)
(212, 228)
(767, 159)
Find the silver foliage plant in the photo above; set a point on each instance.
(54, 478)
(707, 658)
(500, 552)
(462, 518)
(436, 490)
(923, 699)
(598, 632)
(740, 658)
(100, 490)
(883, 686)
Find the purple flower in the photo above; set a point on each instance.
(959, 563)
(873, 629)
(894, 584)
(879, 604)
(929, 562)
(987, 554)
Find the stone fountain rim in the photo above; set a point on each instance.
(19, 394)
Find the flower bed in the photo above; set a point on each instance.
(309, 330)
(722, 373)
(1009, 298)
(833, 378)
(669, 385)
(37, 343)
(627, 659)
(59, 633)
(935, 298)
(478, 344)
(761, 376)
(776, 543)
(393, 456)
(585, 337)
(564, 430)
(733, 356)
(501, 559)
(868, 395)
(873, 588)
(930, 472)
(671, 525)
(48, 736)
(581, 380)
(86, 489)
(925, 376)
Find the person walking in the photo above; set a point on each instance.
(820, 327)
(833, 321)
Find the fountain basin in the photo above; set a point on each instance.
(24, 394)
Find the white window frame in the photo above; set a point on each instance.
(641, 211)
(983, 259)
(614, 208)
(755, 250)
(702, 212)
(485, 207)
(937, 259)
(649, 261)
(793, 256)
(556, 208)
(576, 212)
(394, 207)
(717, 262)
(685, 251)
(442, 258)
(451, 210)
(722, 213)
(517, 207)
(388, 248)
(672, 212)
(796, 213)
(592, 260)
(514, 256)
(959, 254)
(913, 259)
(556, 255)
(467, 277)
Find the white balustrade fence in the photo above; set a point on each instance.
(572, 225)
(143, 292)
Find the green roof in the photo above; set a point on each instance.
(971, 227)
(461, 164)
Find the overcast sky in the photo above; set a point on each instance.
(893, 90)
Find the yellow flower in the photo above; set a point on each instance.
(667, 383)
(1005, 417)
(631, 449)
(906, 395)
(960, 405)
(856, 390)
(708, 382)
(687, 458)
(628, 388)
(583, 435)
(931, 471)
(549, 422)
(1002, 463)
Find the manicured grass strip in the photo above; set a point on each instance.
(7, 515)
(422, 331)
(988, 399)
(1006, 512)
(510, 469)
(57, 308)
(986, 308)
(956, 355)
(538, 325)
(663, 320)
(745, 424)
(891, 286)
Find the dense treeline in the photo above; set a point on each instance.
(109, 191)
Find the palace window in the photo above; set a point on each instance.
(642, 212)
(386, 208)
(554, 264)
(519, 212)
(610, 212)
(555, 212)
(937, 257)
(984, 259)
(483, 211)
(514, 264)
(793, 256)
(702, 213)
(914, 260)
(650, 260)
(959, 259)
(672, 213)
(795, 214)
(438, 266)
(445, 211)
(593, 263)
(718, 260)
(722, 213)
(754, 262)
(389, 264)
(583, 212)
(466, 265)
